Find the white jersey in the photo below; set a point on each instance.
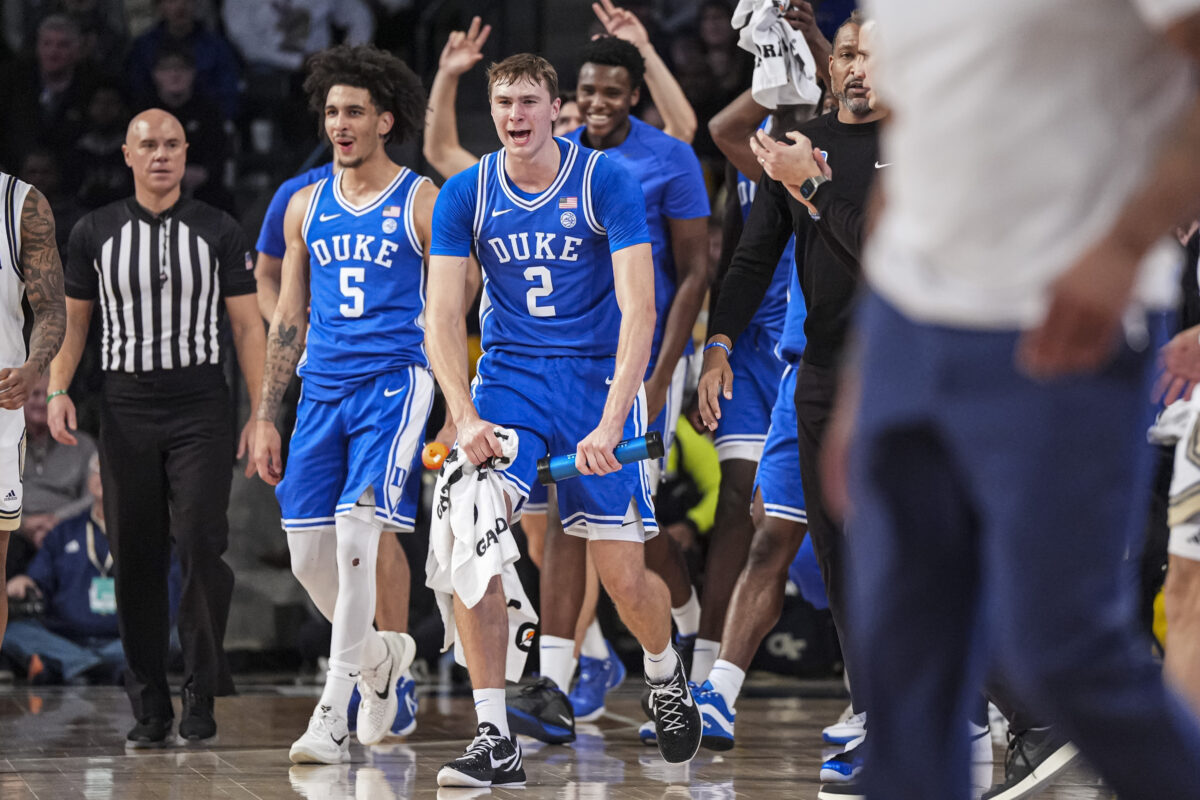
(1019, 130)
(12, 279)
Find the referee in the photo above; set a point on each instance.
(158, 264)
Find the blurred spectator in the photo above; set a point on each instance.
(179, 27)
(41, 169)
(274, 38)
(102, 25)
(21, 17)
(76, 634)
(142, 15)
(97, 160)
(43, 99)
(728, 63)
(210, 146)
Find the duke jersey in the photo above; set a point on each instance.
(12, 281)
(792, 341)
(673, 187)
(773, 309)
(548, 285)
(367, 284)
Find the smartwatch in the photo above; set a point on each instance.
(810, 186)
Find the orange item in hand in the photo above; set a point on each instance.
(433, 455)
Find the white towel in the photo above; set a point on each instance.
(470, 542)
(785, 71)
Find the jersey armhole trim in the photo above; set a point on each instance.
(480, 195)
(589, 212)
(312, 207)
(410, 220)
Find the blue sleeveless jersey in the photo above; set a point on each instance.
(673, 187)
(367, 283)
(791, 340)
(773, 309)
(548, 285)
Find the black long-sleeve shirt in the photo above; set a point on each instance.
(827, 251)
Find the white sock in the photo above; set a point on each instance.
(490, 707)
(339, 684)
(727, 679)
(659, 667)
(687, 616)
(558, 660)
(594, 645)
(703, 657)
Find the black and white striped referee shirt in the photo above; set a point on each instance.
(159, 280)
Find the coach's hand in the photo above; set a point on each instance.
(594, 455)
(477, 438)
(267, 448)
(1082, 325)
(60, 417)
(716, 380)
(1179, 360)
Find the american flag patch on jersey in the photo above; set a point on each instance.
(249, 260)
(391, 211)
(568, 202)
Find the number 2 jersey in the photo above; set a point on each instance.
(367, 283)
(548, 285)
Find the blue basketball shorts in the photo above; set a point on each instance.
(552, 404)
(742, 430)
(778, 476)
(370, 438)
(664, 423)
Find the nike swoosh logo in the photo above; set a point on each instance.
(327, 217)
(384, 694)
(565, 721)
(338, 741)
(608, 381)
(498, 212)
(391, 392)
(881, 166)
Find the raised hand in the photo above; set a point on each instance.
(621, 23)
(464, 50)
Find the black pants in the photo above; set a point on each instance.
(815, 390)
(165, 443)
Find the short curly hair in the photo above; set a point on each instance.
(392, 85)
(609, 51)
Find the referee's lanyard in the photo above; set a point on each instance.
(102, 595)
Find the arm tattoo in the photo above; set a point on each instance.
(284, 346)
(43, 280)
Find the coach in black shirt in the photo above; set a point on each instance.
(162, 268)
(827, 261)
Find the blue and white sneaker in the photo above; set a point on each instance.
(717, 718)
(597, 676)
(847, 729)
(406, 711)
(648, 734)
(352, 709)
(846, 765)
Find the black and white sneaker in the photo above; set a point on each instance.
(541, 710)
(1034, 757)
(677, 724)
(490, 760)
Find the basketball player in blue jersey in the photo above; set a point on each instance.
(567, 322)
(355, 255)
(677, 212)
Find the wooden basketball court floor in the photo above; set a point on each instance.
(65, 743)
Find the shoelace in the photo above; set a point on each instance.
(1016, 750)
(481, 744)
(373, 676)
(666, 702)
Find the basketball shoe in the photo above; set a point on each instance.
(490, 760)
(597, 676)
(327, 740)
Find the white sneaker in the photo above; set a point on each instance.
(377, 686)
(847, 729)
(327, 740)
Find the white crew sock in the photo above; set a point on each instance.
(687, 616)
(339, 684)
(594, 645)
(490, 707)
(727, 679)
(558, 660)
(703, 657)
(659, 667)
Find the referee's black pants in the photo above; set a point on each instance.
(165, 443)
(815, 390)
